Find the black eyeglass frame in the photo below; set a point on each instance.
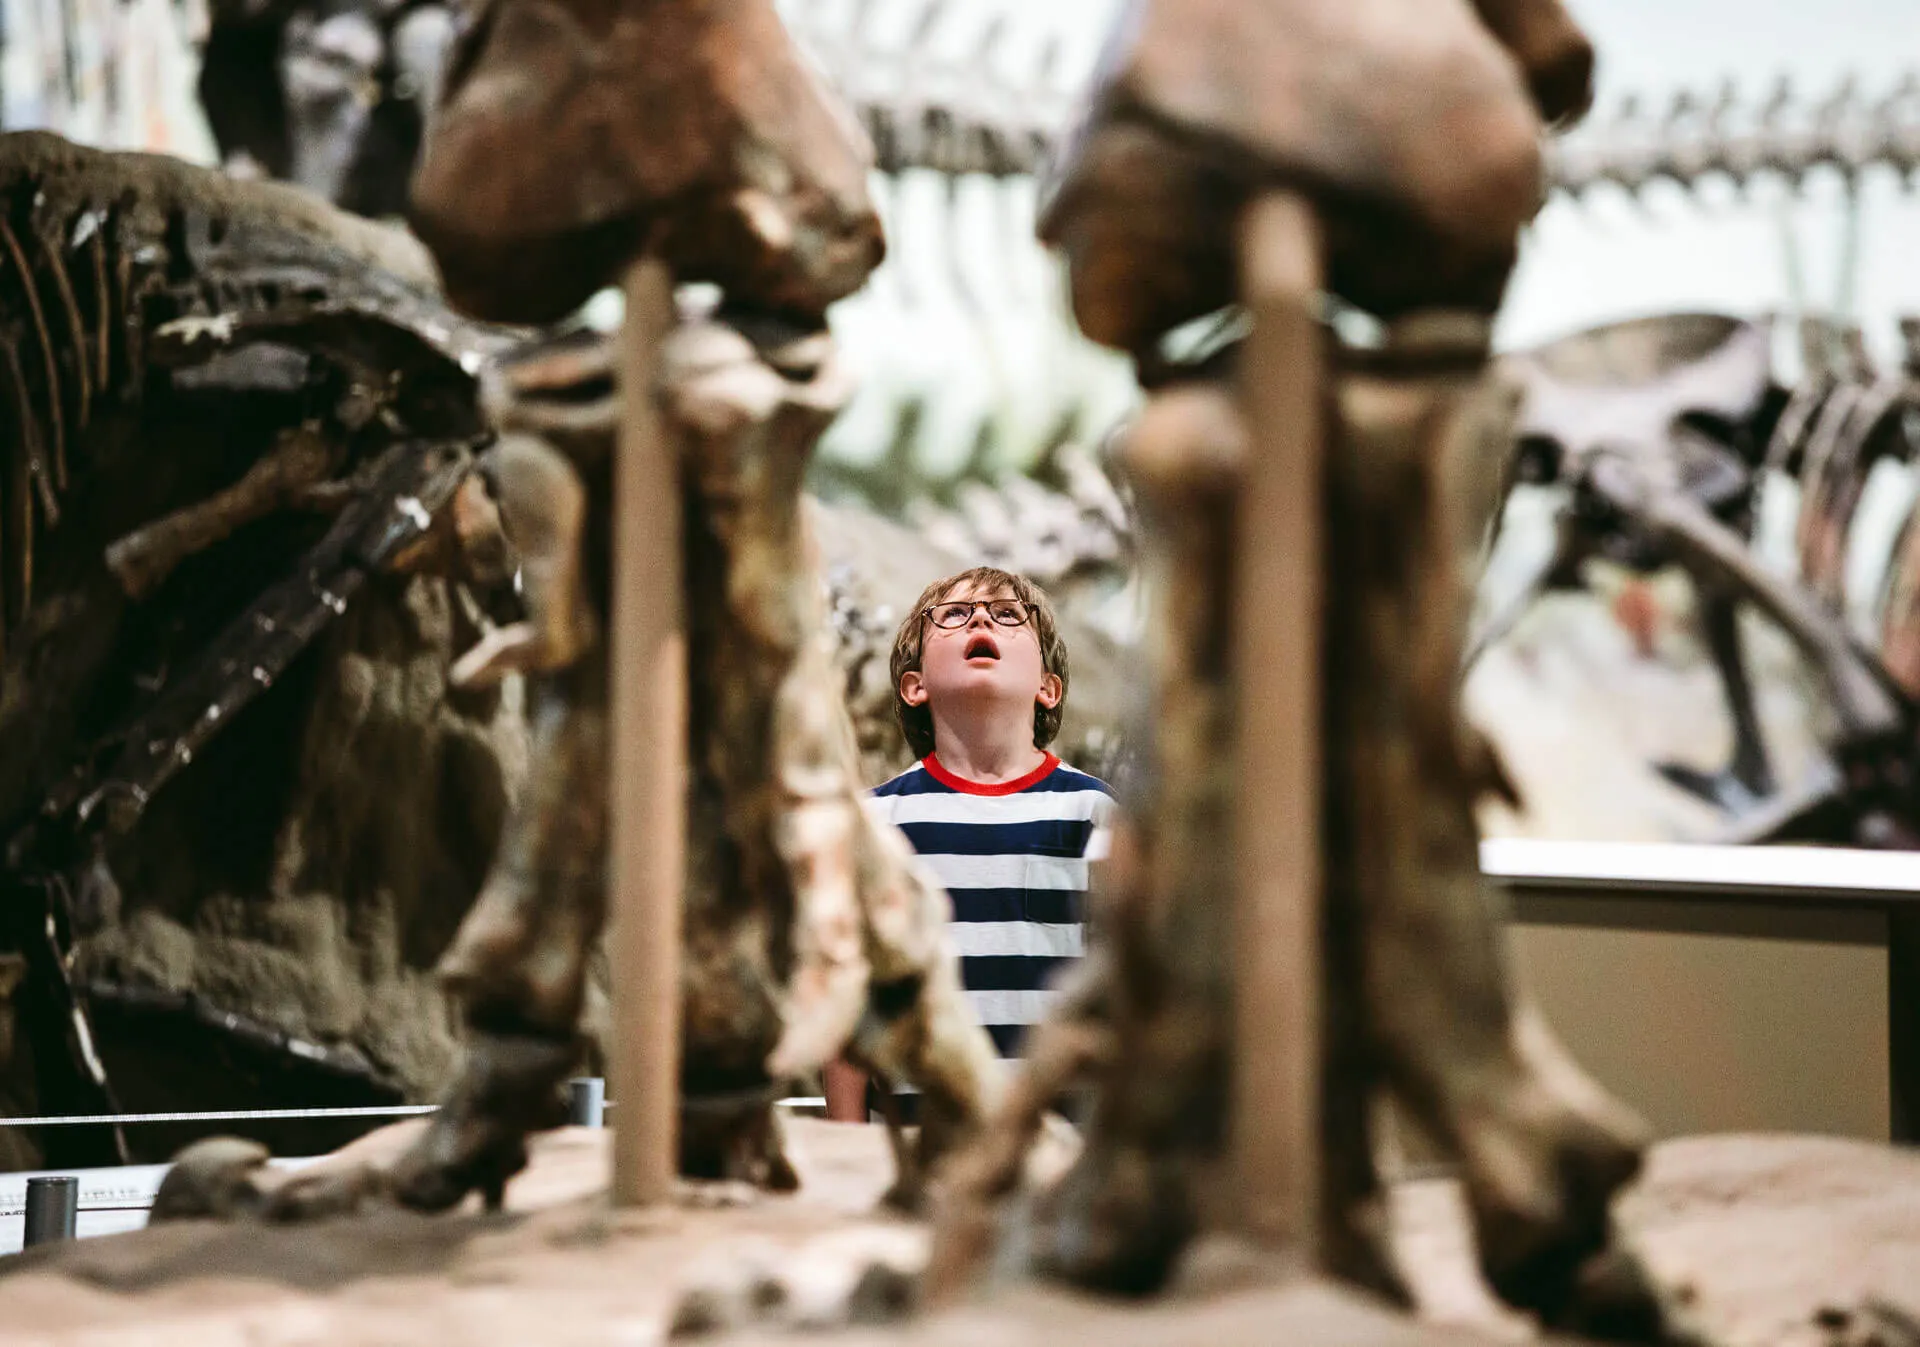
(1026, 612)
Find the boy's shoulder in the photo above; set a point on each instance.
(914, 781)
(1066, 777)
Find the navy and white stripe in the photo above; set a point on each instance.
(1013, 858)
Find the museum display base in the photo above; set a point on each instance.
(1766, 1235)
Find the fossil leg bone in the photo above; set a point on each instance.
(1542, 1151)
(870, 959)
(805, 925)
(1129, 1201)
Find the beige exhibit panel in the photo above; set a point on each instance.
(1726, 989)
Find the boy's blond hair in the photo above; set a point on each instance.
(916, 722)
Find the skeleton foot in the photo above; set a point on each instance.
(522, 950)
(477, 1141)
(1117, 1222)
(227, 1179)
(922, 1029)
(219, 1179)
(1543, 1152)
(908, 1193)
(736, 1138)
(1540, 1183)
(1542, 1168)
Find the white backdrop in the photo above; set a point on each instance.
(966, 318)
(1607, 258)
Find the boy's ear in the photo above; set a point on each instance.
(1050, 691)
(913, 688)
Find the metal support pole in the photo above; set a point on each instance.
(586, 1101)
(1903, 1028)
(53, 1210)
(1276, 655)
(647, 796)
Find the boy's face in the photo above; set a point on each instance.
(981, 660)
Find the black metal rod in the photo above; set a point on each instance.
(53, 1210)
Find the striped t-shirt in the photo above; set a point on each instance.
(1013, 857)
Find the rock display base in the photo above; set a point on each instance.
(1764, 1233)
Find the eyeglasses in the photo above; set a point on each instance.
(954, 615)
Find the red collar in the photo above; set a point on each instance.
(966, 787)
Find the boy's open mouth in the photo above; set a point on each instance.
(982, 646)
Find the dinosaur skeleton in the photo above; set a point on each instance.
(1662, 430)
(810, 930)
(137, 296)
(1632, 406)
(1697, 137)
(1183, 134)
(1205, 120)
(350, 127)
(272, 362)
(1184, 131)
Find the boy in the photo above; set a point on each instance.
(980, 682)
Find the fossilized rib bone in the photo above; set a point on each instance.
(111, 266)
(181, 269)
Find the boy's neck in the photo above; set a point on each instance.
(990, 748)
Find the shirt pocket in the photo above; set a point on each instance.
(1055, 888)
(1054, 838)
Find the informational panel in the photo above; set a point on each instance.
(1727, 989)
(1709, 1018)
